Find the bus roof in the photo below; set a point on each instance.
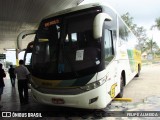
(80, 7)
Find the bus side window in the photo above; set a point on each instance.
(123, 33)
(108, 44)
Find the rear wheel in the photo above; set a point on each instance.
(120, 95)
(137, 75)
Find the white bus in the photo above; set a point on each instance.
(83, 57)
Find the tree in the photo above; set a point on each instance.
(129, 21)
(157, 25)
(139, 32)
(8, 64)
(151, 46)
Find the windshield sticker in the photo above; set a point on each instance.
(79, 55)
(97, 62)
(54, 22)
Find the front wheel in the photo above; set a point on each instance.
(120, 95)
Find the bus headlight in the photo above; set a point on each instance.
(93, 85)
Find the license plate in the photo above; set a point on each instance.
(58, 101)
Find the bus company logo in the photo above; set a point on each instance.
(19, 114)
(6, 114)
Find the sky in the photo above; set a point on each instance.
(144, 13)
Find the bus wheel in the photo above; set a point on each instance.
(137, 75)
(120, 95)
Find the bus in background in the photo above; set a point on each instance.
(28, 55)
(27, 35)
(83, 57)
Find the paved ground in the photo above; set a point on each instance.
(148, 84)
(145, 92)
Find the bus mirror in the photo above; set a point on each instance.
(22, 35)
(98, 24)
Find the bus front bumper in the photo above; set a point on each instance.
(94, 99)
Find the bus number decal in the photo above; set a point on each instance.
(112, 91)
(54, 22)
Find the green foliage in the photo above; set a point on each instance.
(129, 21)
(145, 44)
(151, 47)
(8, 64)
(139, 32)
(158, 23)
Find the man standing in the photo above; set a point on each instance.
(22, 75)
(2, 75)
(12, 75)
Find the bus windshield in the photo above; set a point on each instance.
(65, 47)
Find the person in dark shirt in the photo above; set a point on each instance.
(12, 75)
(2, 75)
